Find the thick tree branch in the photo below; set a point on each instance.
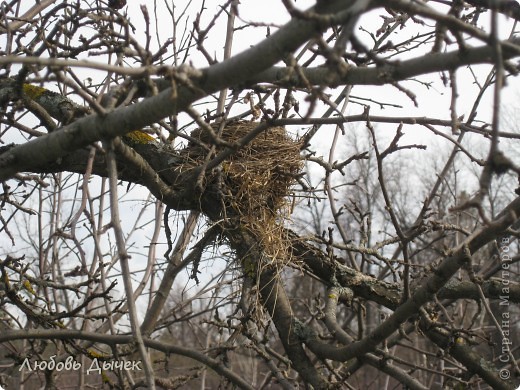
(391, 71)
(472, 360)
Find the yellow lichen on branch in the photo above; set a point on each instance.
(138, 137)
(33, 91)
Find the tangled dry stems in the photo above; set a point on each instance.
(256, 180)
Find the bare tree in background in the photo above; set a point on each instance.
(177, 213)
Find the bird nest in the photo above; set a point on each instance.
(255, 181)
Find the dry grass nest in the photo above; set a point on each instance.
(256, 180)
